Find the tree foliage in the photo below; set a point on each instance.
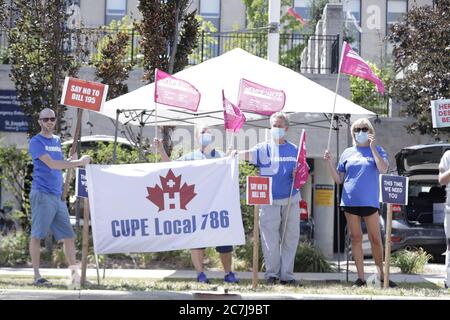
(421, 54)
(41, 55)
(111, 64)
(364, 92)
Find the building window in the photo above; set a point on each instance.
(115, 10)
(395, 11)
(303, 8)
(210, 11)
(352, 11)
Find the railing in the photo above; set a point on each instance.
(211, 45)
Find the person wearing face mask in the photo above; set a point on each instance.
(206, 150)
(277, 159)
(358, 170)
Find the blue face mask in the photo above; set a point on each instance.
(205, 139)
(361, 137)
(277, 133)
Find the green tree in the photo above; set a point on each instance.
(111, 64)
(169, 33)
(422, 58)
(40, 56)
(364, 92)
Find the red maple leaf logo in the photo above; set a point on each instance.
(171, 193)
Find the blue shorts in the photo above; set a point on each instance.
(48, 211)
(222, 249)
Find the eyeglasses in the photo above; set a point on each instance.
(361, 129)
(52, 119)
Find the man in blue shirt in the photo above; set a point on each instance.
(206, 151)
(278, 159)
(48, 210)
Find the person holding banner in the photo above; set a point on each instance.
(358, 170)
(48, 211)
(204, 139)
(444, 179)
(278, 159)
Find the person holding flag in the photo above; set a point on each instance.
(279, 222)
(358, 170)
(206, 151)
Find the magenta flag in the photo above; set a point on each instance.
(259, 99)
(293, 13)
(233, 117)
(354, 65)
(302, 167)
(175, 92)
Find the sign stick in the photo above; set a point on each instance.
(255, 267)
(387, 258)
(84, 251)
(73, 149)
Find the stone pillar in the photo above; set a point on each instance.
(317, 46)
(333, 19)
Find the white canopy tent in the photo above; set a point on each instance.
(224, 72)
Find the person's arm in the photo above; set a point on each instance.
(160, 149)
(64, 164)
(338, 177)
(381, 163)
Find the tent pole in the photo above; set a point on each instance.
(338, 187)
(115, 136)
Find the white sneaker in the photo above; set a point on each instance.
(75, 279)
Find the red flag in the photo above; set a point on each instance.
(259, 99)
(354, 65)
(175, 92)
(291, 12)
(302, 168)
(233, 117)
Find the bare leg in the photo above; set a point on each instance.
(197, 259)
(35, 253)
(354, 226)
(70, 251)
(373, 230)
(226, 259)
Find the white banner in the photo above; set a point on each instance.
(151, 207)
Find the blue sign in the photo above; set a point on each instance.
(12, 118)
(81, 184)
(394, 189)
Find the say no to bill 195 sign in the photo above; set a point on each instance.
(84, 94)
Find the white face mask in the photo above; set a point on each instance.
(277, 133)
(205, 139)
(361, 137)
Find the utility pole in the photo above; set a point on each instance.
(274, 31)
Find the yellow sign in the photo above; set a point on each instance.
(323, 195)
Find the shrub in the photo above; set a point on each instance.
(14, 249)
(310, 259)
(411, 261)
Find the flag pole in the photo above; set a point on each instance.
(335, 96)
(156, 114)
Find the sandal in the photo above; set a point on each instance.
(42, 282)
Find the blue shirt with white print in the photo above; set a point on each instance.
(45, 179)
(277, 161)
(361, 177)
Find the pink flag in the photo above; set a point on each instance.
(302, 167)
(291, 12)
(354, 65)
(233, 117)
(256, 98)
(175, 92)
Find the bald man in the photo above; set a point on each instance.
(48, 211)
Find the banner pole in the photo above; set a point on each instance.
(387, 257)
(85, 241)
(255, 267)
(73, 149)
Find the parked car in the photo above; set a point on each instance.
(306, 223)
(420, 222)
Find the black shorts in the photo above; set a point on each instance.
(360, 211)
(222, 249)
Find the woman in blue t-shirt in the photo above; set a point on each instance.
(358, 170)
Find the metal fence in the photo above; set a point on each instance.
(211, 45)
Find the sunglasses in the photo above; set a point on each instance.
(52, 119)
(361, 129)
